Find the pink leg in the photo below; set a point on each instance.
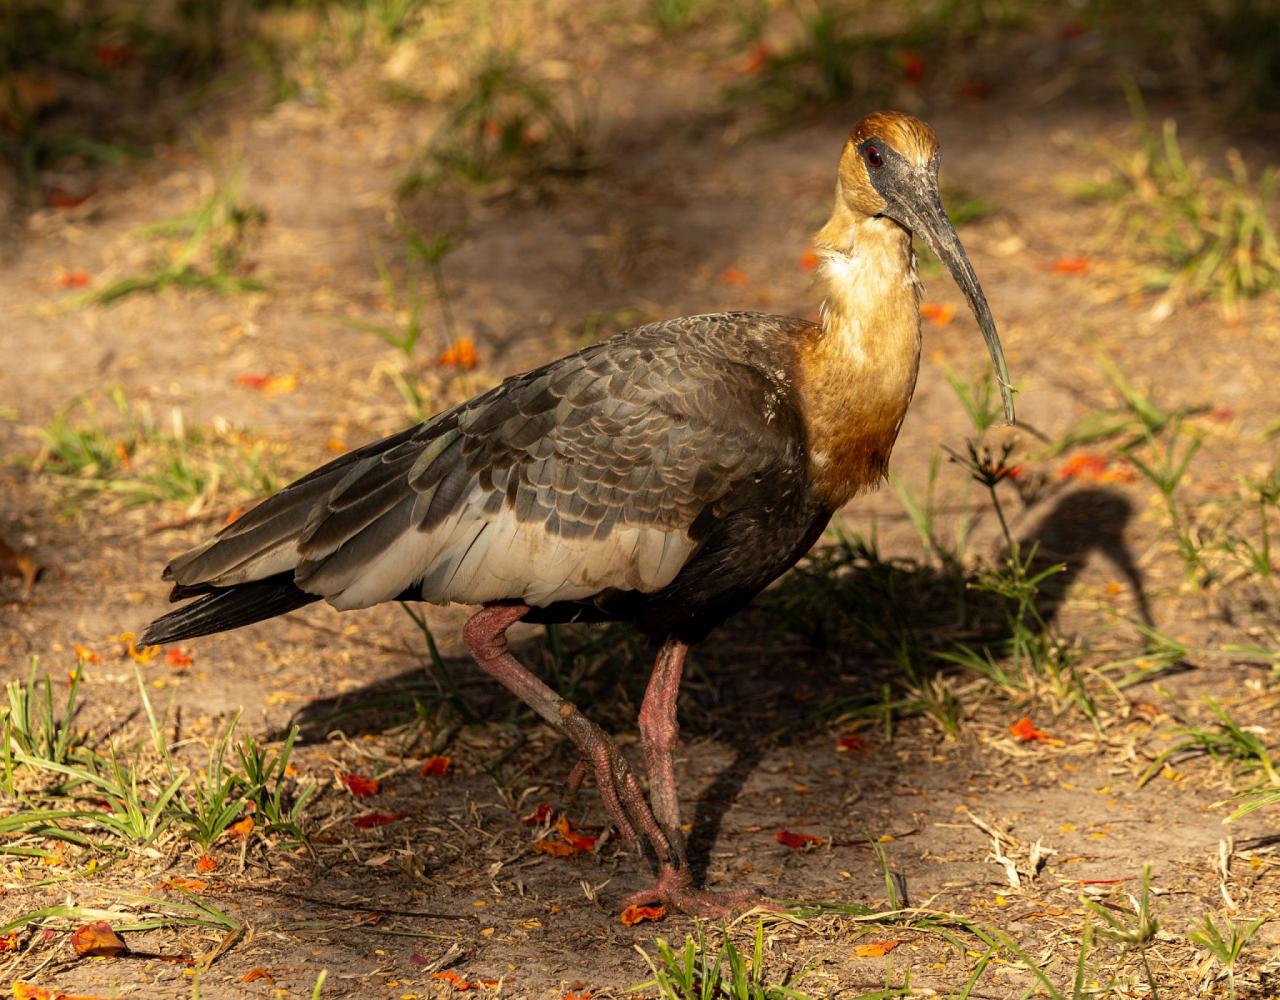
(659, 731)
(485, 636)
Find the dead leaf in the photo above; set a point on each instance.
(370, 820)
(797, 840)
(633, 915)
(91, 940)
(360, 786)
(436, 767)
(875, 949)
(1025, 730)
(15, 563)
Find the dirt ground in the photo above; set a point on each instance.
(693, 201)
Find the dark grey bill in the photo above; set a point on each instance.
(920, 210)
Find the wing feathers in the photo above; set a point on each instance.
(591, 474)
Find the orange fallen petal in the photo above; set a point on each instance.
(97, 939)
(242, 829)
(1070, 265)
(756, 58)
(85, 655)
(73, 279)
(975, 90)
(912, 65)
(875, 949)
(1094, 468)
(205, 863)
(268, 385)
(369, 820)
(29, 991)
(129, 648)
(336, 445)
(797, 840)
(186, 884)
(256, 973)
(461, 354)
(733, 276)
(542, 813)
(177, 659)
(1025, 730)
(633, 915)
(553, 847)
(109, 55)
(852, 743)
(436, 767)
(578, 841)
(360, 786)
(937, 313)
(59, 198)
(454, 980)
(808, 260)
(9, 942)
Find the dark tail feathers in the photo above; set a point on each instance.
(227, 608)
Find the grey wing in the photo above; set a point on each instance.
(583, 476)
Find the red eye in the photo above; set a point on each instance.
(873, 157)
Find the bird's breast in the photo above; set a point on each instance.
(857, 371)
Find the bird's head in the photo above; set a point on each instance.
(889, 169)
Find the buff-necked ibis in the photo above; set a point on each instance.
(662, 477)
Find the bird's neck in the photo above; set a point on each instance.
(858, 369)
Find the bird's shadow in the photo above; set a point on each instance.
(817, 617)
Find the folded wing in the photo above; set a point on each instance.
(587, 475)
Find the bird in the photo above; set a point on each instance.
(662, 477)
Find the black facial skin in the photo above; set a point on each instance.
(912, 200)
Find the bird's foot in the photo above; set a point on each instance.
(674, 889)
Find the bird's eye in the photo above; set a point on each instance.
(873, 157)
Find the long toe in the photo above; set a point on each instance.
(674, 890)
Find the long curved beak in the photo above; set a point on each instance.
(922, 212)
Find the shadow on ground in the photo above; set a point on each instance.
(835, 620)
